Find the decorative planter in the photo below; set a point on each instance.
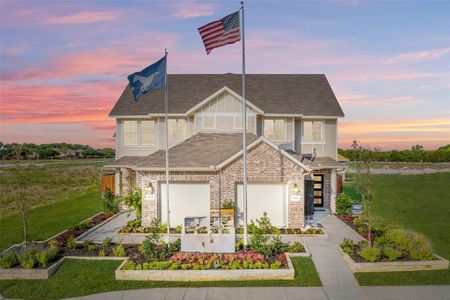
(20, 273)
(207, 275)
(395, 266)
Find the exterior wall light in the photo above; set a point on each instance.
(150, 188)
(295, 189)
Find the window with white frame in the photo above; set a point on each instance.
(313, 131)
(275, 129)
(147, 132)
(130, 132)
(208, 122)
(177, 129)
(237, 122)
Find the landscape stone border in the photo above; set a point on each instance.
(21, 273)
(395, 266)
(207, 275)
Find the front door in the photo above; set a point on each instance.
(318, 190)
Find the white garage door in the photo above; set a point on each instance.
(270, 198)
(185, 200)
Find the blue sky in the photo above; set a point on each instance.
(64, 63)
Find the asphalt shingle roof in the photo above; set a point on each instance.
(307, 94)
(202, 150)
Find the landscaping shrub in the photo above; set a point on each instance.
(175, 246)
(27, 258)
(391, 253)
(107, 242)
(348, 246)
(134, 199)
(228, 204)
(119, 250)
(45, 256)
(110, 202)
(71, 244)
(357, 221)
(370, 254)
(178, 229)
(296, 247)
(163, 228)
(8, 260)
(419, 247)
(343, 204)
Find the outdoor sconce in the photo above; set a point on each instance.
(150, 188)
(295, 189)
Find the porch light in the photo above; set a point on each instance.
(295, 189)
(150, 188)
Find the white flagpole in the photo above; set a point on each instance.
(166, 104)
(244, 127)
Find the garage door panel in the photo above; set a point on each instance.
(270, 198)
(185, 200)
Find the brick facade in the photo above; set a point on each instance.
(265, 165)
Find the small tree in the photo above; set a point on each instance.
(364, 158)
(25, 196)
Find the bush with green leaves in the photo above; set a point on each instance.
(228, 204)
(134, 199)
(71, 244)
(110, 202)
(357, 222)
(45, 256)
(296, 247)
(391, 253)
(8, 260)
(119, 250)
(348, 246)
(175, 246)
(419, 247)
(343, 204)
(27, 258)
(370, 254)
(409, 243)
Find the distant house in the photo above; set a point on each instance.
(292, 136)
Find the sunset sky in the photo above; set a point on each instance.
(64, 63)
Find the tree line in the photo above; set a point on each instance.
(52, 151)
(416, 154)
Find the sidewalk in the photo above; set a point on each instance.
(278, 293)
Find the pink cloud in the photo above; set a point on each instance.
(186, 10)
(417, 56)
(83, 18)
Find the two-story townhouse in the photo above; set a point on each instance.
(291, 135)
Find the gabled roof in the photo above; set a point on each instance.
(303, 94)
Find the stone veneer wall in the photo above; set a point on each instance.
(265, 164)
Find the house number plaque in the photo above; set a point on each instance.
(150, 197)
(295, 198)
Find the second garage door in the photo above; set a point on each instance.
(185, 200)
(270, 198)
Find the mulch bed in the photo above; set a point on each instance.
(84, 252)
(349, 221)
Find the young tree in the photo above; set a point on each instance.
(364, 158)
(25, 196)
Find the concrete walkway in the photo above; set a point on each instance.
(337, 279)
(110, 229)
(277, 293)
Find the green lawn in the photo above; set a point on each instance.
(83, 277)
(436, 277)
(47, 220)
(417, 202)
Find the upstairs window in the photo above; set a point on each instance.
(275, 129)
(130, 132)
(147, 132)
(177, 129)
(313, 131)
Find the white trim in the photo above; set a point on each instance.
(224, 114)
(273, 119)
(321, 117)
(216, 94)
(140, 133)
(234, 122)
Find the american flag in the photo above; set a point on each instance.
(221, 32)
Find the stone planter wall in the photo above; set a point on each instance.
(395, 266)
(207, 275)
(20, 273)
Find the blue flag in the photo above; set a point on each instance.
(151, 78)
